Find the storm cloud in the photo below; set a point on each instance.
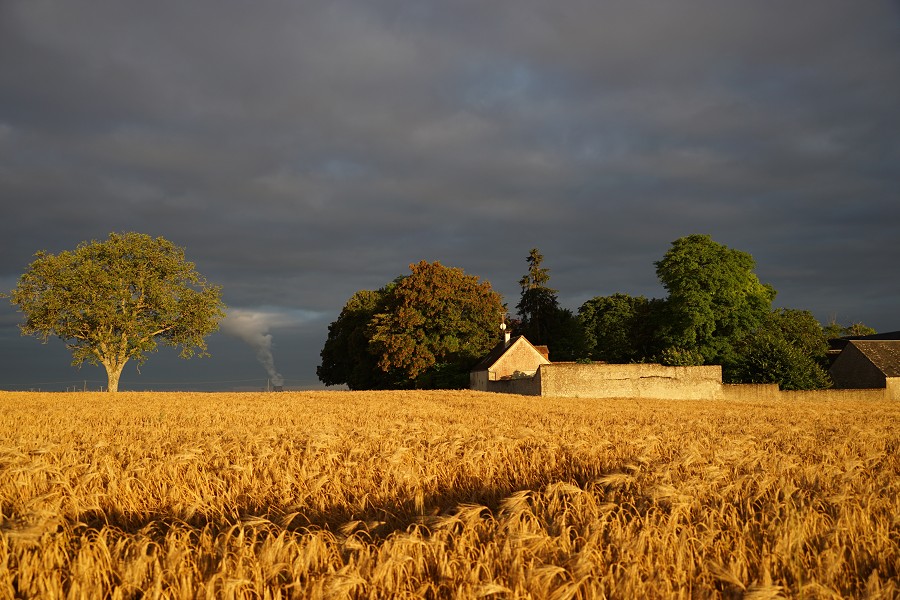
(303, 151)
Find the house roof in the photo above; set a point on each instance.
(500, 349)
(494, 355)
(839, 343)
(884, 354)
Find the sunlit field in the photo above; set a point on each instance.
(444, 495)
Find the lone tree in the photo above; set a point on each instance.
(113, 301)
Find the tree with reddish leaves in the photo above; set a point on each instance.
(425, 330)
(437, 318)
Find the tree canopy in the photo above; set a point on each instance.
(716, 312)
(836, 330)
(426, 330)
(789, 348)
(346, 357)
(542, 319)
(538, 303)
(115, 300)
(617, 328)
(714, 298)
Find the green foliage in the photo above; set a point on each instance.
(801, 329)
(714, 297)
(444, 376)
(835, 330)
(114, 301)
(538, 303)
(425, 330)
(566, 336)
(537, 276)
(679, 357)
(346, 357)
(542, 320)
(617, 328)
(789, 349)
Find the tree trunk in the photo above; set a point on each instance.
(113, 372)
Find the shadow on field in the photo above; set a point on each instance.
(381, 521)
(376, 521)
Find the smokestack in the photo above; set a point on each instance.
(253, 328)
(506, 334)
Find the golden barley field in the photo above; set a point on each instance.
(445, 495)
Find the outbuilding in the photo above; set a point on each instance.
(513, 358)
(516, 366)
(868, 363)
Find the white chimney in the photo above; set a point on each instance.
(505, 334)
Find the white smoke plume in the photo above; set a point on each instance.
(252, 326)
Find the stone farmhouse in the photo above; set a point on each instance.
(513, 359)
(868, 366)
(516, 366)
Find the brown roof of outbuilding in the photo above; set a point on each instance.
(884, 354)
(839, 343)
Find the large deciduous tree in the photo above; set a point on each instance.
(114, 301)
(427, 329)
(436, 316)
(714, 298)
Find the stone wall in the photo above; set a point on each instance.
(630, 381)
(892, 388)
(674, 383)
(833, 394)
(525, 386)
(769, 392)
(751, 392)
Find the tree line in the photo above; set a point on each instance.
(114, 301)
(429, 328)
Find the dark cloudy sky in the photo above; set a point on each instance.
(300, 151)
